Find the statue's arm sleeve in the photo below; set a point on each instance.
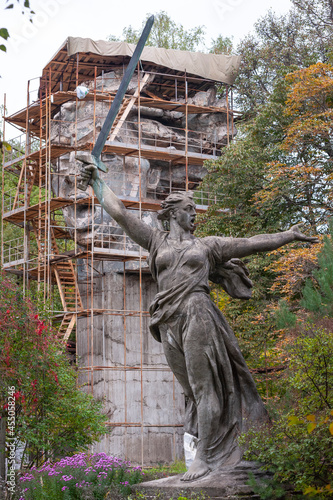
(134, 227)
(224, 249)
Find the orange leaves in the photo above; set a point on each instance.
(309, 104)
(309, 87)
(292, 268)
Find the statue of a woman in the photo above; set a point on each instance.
(200, 347)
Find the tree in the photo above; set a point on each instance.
(222, 45)
(300, 181)
(318, 292)
(38, 394)
(279, 45)
(277, 172)
(298, 445)
(25, 6)
(165, 33)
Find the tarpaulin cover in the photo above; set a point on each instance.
(220, 68)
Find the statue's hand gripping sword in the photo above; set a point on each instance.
(116, 103)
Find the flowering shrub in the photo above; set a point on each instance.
(81, 476)
(52, 416)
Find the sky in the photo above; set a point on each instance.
(32, 45)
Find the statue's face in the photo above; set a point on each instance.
(184, 214)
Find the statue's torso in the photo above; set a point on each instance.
(178, 262)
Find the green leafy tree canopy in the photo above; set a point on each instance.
(166, 34)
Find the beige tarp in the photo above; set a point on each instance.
(215, 67)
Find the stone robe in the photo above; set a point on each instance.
(200, 347)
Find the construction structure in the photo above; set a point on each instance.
(95, 279)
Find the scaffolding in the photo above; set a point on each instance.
(46, 244)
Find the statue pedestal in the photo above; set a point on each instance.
(224, 483)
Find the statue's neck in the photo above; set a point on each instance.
(177, 233)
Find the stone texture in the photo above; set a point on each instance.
(224, 483)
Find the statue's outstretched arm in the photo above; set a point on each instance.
(137, 230)
(241, 247)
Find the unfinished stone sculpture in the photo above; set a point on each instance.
(73, 126)
(200, 347)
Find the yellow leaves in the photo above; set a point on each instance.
(6, 146)
(311, 418)
(310, 490)
(308, 83)
(309, 104)
(293, 420)
(310, 427)
(292, 267)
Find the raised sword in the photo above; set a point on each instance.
(116, 103)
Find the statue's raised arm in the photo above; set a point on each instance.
(137, 230)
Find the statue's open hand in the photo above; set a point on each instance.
(299, 236)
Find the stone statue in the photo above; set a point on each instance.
(200, 347)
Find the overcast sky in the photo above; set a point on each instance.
(32, 45)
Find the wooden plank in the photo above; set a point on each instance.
(62, 296)
(130, 105)
(20, 215)
(70, 328)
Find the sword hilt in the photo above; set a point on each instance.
(84, 159)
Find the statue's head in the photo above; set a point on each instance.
(180, 207)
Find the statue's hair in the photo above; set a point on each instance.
(171, 202)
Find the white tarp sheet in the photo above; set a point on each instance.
(220, 68)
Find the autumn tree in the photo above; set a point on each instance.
(298, 445)
(277, 172)
(279, 45)
(299, 182)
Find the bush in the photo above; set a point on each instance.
(298, 447)
(81, 476)
(52, 417)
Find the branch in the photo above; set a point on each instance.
(269, 369)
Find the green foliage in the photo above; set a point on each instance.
(284, 317)
(311, 368)
(318, 293)
(25, 6)
(222, 45)
(267, 489)
(52, 416)
(278, 45)
(165, 33)
(3, 34)
(240, 174)
(97, 476)
(298, 447)
(295, 455)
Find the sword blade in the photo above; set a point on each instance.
(113, 111)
